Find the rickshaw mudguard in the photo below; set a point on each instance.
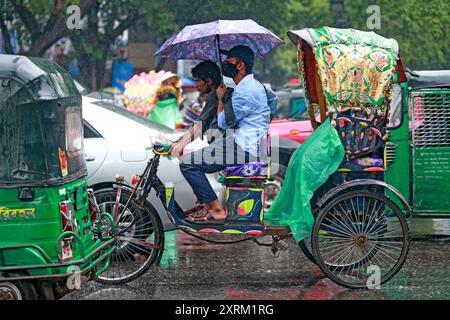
(363, 182)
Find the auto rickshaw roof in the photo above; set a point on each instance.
(19, 67)
(429, 79)
(56, 83)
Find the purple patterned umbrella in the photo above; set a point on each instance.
(203, 41)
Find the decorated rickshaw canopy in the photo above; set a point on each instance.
(41, 127)
(348, 69)
(141, 91)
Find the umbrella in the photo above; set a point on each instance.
(203, 41)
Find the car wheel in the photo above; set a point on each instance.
(18, 290)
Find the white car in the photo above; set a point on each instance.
(115, 142)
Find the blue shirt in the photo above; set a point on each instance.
(251, 113)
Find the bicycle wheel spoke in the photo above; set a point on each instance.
(362, 228)
(137, 239)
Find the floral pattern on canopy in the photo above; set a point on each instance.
(356, 69)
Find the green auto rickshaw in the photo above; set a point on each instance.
(418, 154)
(48, 242)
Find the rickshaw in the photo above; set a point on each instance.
(49, 244)
(358, 229)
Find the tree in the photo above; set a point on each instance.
(105, 21)
(420, 27)
(45, 23)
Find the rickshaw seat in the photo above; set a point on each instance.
(250, 170)
(254, 170)
(367, 164)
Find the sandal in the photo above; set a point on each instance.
(194, 211)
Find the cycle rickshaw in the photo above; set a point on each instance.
(348, 75)
(47, 232)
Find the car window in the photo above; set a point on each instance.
(282, 108)
(298, 109)
(132, 116)
(89, 131)
(291, 105)
(395, 108)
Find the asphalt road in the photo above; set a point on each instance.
(194, 269)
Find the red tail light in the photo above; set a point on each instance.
(66, 216)
(92, 207)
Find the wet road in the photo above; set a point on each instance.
(194, 269)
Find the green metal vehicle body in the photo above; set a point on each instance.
(46, 231)
(418, 154)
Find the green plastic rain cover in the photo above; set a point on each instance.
(309, 167)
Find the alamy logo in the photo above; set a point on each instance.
(74, 280)
(73, 21)
(374, 20)
(374, 280)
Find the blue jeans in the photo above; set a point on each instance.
(215, 157)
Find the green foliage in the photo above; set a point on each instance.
(421, 28)
(281, 63)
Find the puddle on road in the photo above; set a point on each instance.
(195, 269)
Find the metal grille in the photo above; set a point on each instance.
(391, 150)
(431, 119)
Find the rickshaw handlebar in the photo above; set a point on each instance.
(160, 149)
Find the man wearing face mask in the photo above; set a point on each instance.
(249, 121)
(250, 100)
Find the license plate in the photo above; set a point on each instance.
(66, 251)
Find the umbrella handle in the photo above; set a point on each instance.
(219, 61)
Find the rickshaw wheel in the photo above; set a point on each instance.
(305, 246)
(139, 238)
(360, 239)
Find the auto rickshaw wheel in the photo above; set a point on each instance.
(360, 239)
(18, 290)
(139, 237)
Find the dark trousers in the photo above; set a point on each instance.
(216, 157)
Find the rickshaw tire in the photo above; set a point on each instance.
(340, 197)
(124, 198)
(152, 215)
(307, 251)
(27, 288)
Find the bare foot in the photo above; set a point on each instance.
(218, 214)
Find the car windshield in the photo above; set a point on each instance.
(132, 116)
(291, 105)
